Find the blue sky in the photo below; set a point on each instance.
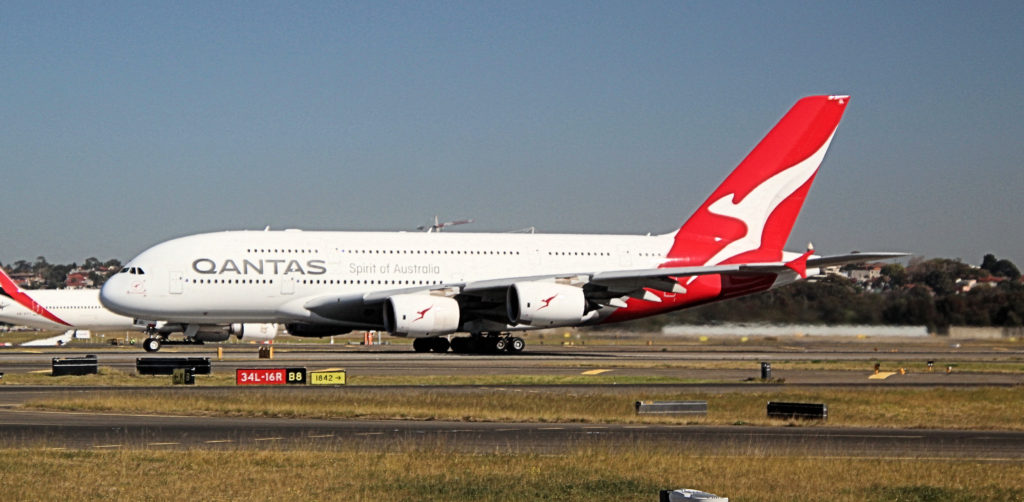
(129, 123)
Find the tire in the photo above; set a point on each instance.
(440, 345)
(501, 344)
(151, 344)
(517, 345)
(460, 345)
(421, 345)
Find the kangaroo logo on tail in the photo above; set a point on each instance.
(755, 209)
(749, 217)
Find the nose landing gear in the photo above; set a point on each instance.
(151, 344)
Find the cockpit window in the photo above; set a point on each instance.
(123, 270)
(140, 271)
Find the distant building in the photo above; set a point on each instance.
(27, 279)
(867, 273)
(965, 285)
(833, 270)
(990, 281)
(78, 280)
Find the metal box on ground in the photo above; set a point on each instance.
(167, 365)
(672, 407)
(687, 494)
(817, 411)
(87, 365)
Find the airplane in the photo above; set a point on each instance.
(431, 285)
(80, 310)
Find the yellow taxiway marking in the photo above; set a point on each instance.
(162, 444)
(322, 436)
(506, 430)
(219, 441)
(551, 428)
(369, 433)
(594, 372)
(106, 446)
(267, 439)
(40, 371)
(881, 375)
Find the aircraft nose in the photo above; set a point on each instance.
(116, 295)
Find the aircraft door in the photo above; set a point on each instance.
(287, 285)
(176, 284)
(625, 259)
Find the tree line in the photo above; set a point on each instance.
(925, 292)
(54, 275)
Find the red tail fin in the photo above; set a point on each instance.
(749, 217)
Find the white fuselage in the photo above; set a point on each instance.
(267, 276)
(80, 308)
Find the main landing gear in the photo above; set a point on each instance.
(436, 344)
(477, 343)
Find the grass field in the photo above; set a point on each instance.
(436, 474)
(939, 408)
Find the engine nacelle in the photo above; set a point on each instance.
(545, 304)
(314, 330)
(421, 315)
(254, 332)
(207, 332)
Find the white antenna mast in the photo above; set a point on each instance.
(437, 226)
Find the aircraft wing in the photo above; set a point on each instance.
(854, 257)
(606, 287)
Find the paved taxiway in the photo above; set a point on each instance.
(20, 427)
(676, 362)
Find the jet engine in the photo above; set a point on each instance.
(421, 315)
(207, 332)
(254, 332)
(545, 304)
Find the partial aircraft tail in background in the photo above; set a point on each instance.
(10, 289)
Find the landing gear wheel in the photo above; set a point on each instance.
(517, 345)
(440, 345)
(460, 345)
(151, 344)
(477, 344)
(421, 345)
(501, 344)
